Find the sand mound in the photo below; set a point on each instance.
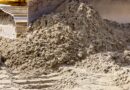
(106, 62)
(63, 38)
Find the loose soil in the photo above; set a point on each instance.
(87, 51)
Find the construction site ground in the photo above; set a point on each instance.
(72, 48)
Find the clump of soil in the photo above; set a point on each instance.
(106, 62)
(62, 38)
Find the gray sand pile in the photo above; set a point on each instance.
(123, 29)
(63, 38)
(106, 62)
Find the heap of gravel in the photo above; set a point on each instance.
(62, 38)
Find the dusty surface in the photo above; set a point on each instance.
(75, 47)
(12, 81)
(63, 38)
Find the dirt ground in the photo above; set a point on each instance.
(72, 48)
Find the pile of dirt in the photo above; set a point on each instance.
(106, 62)
(99, 71)
(121, 28)
(87, 51)
(62, 38)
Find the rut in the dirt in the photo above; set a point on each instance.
(13, 82)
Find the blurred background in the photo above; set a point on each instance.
(116, 10)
